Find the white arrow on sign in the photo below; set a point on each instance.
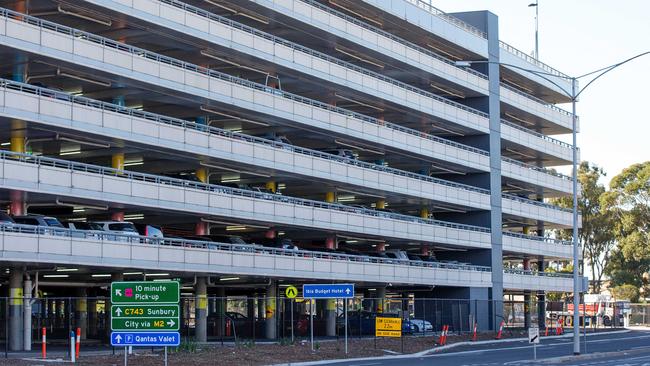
(347, 291)
(118, 339)
(118, 292)
(118, 311)
(171, 323)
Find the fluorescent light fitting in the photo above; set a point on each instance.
(520, 153)
(5, 144)
(107, 23)
(134, 217)
(78, 219)
(348, 53)
(351, 241)
(67, 269)
(359, 193)
(447, 170)
(361, 239)
(229, 279)
(519, 119)
(157, 274)
(209, 110)
(103, 275)
(349, 198)
(447, 91)
(451, 55)
(77, 205)
(72, 152)
(236, 228)
(83, 142)
(234, 170)
(131, 273)
(134, 162)
(359, 103)
(448, 130)
(356, 13)
(357, 147)
(215, 57)
(56, 276)
(83, 78)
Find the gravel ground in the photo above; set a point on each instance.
(268, 354)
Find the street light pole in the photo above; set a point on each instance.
(536, 6)
(576, 252)
(573, 94)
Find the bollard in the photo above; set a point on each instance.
(475, 336)
(72, 343)
(500, 330)
(443, 335)
(44, 344)
(78, 343)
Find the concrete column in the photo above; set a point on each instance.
(16, 310)
(424, 213)
(270, 234)
(368, 303)
(541, 300)
(330, 197)
(330, 317)
(380, 204)
(17, 144)
(425, 251)
(92, 316)
(81, 312)
(271, 311)
(221, 310)
(119, 100)
(201, 228)
(117, 162)
(201, 310)
(27, 314)
(527, 298)
(330, 242)
(381, 296)
(381, 247)
(202, 175)
(271, 186)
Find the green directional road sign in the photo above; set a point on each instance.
(145, 292)
(144, 311)
(144, 324)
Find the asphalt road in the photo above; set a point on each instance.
(623, 349)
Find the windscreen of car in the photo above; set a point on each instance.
(93, 226)
(123, 226)
(51, 221)
(154, 232)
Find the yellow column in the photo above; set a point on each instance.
(526, 230)
(271, 186)
(202, 175)
(380, 204)
(424, 213)
(18, 144)
(330, 197)
(117, 161)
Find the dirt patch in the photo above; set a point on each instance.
(267, 354)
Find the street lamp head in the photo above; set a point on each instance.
(463, 63)
(532, 5)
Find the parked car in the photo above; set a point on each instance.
(93, 229)
(38, 220)
(123, 230)
(150, 231)
(417, 325)
(397, 254)
(343, 153)
(280, 243)
(238, 243)
(6, 219)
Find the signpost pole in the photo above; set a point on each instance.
(311, 322)
(345, 310)
(165, 355)
(534, 351)
(125, 362)
(292, 305)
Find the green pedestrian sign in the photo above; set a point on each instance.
(145, 292)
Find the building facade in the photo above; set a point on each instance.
(277, 142)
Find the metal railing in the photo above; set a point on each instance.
(213, 188)
(323, 56)
(528, 201)
(537, 134)
(227, 247)
(469, 28)
(27, 88)
(537, 273)
(225, 77)
(536, 168)
(537, 100)
(538, 238)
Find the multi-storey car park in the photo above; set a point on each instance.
(344, 126)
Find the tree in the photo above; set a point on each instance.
(596, 235)
(628, 201)
(626, 292)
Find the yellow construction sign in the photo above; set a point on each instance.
(388, 327)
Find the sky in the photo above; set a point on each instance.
(580, 36)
